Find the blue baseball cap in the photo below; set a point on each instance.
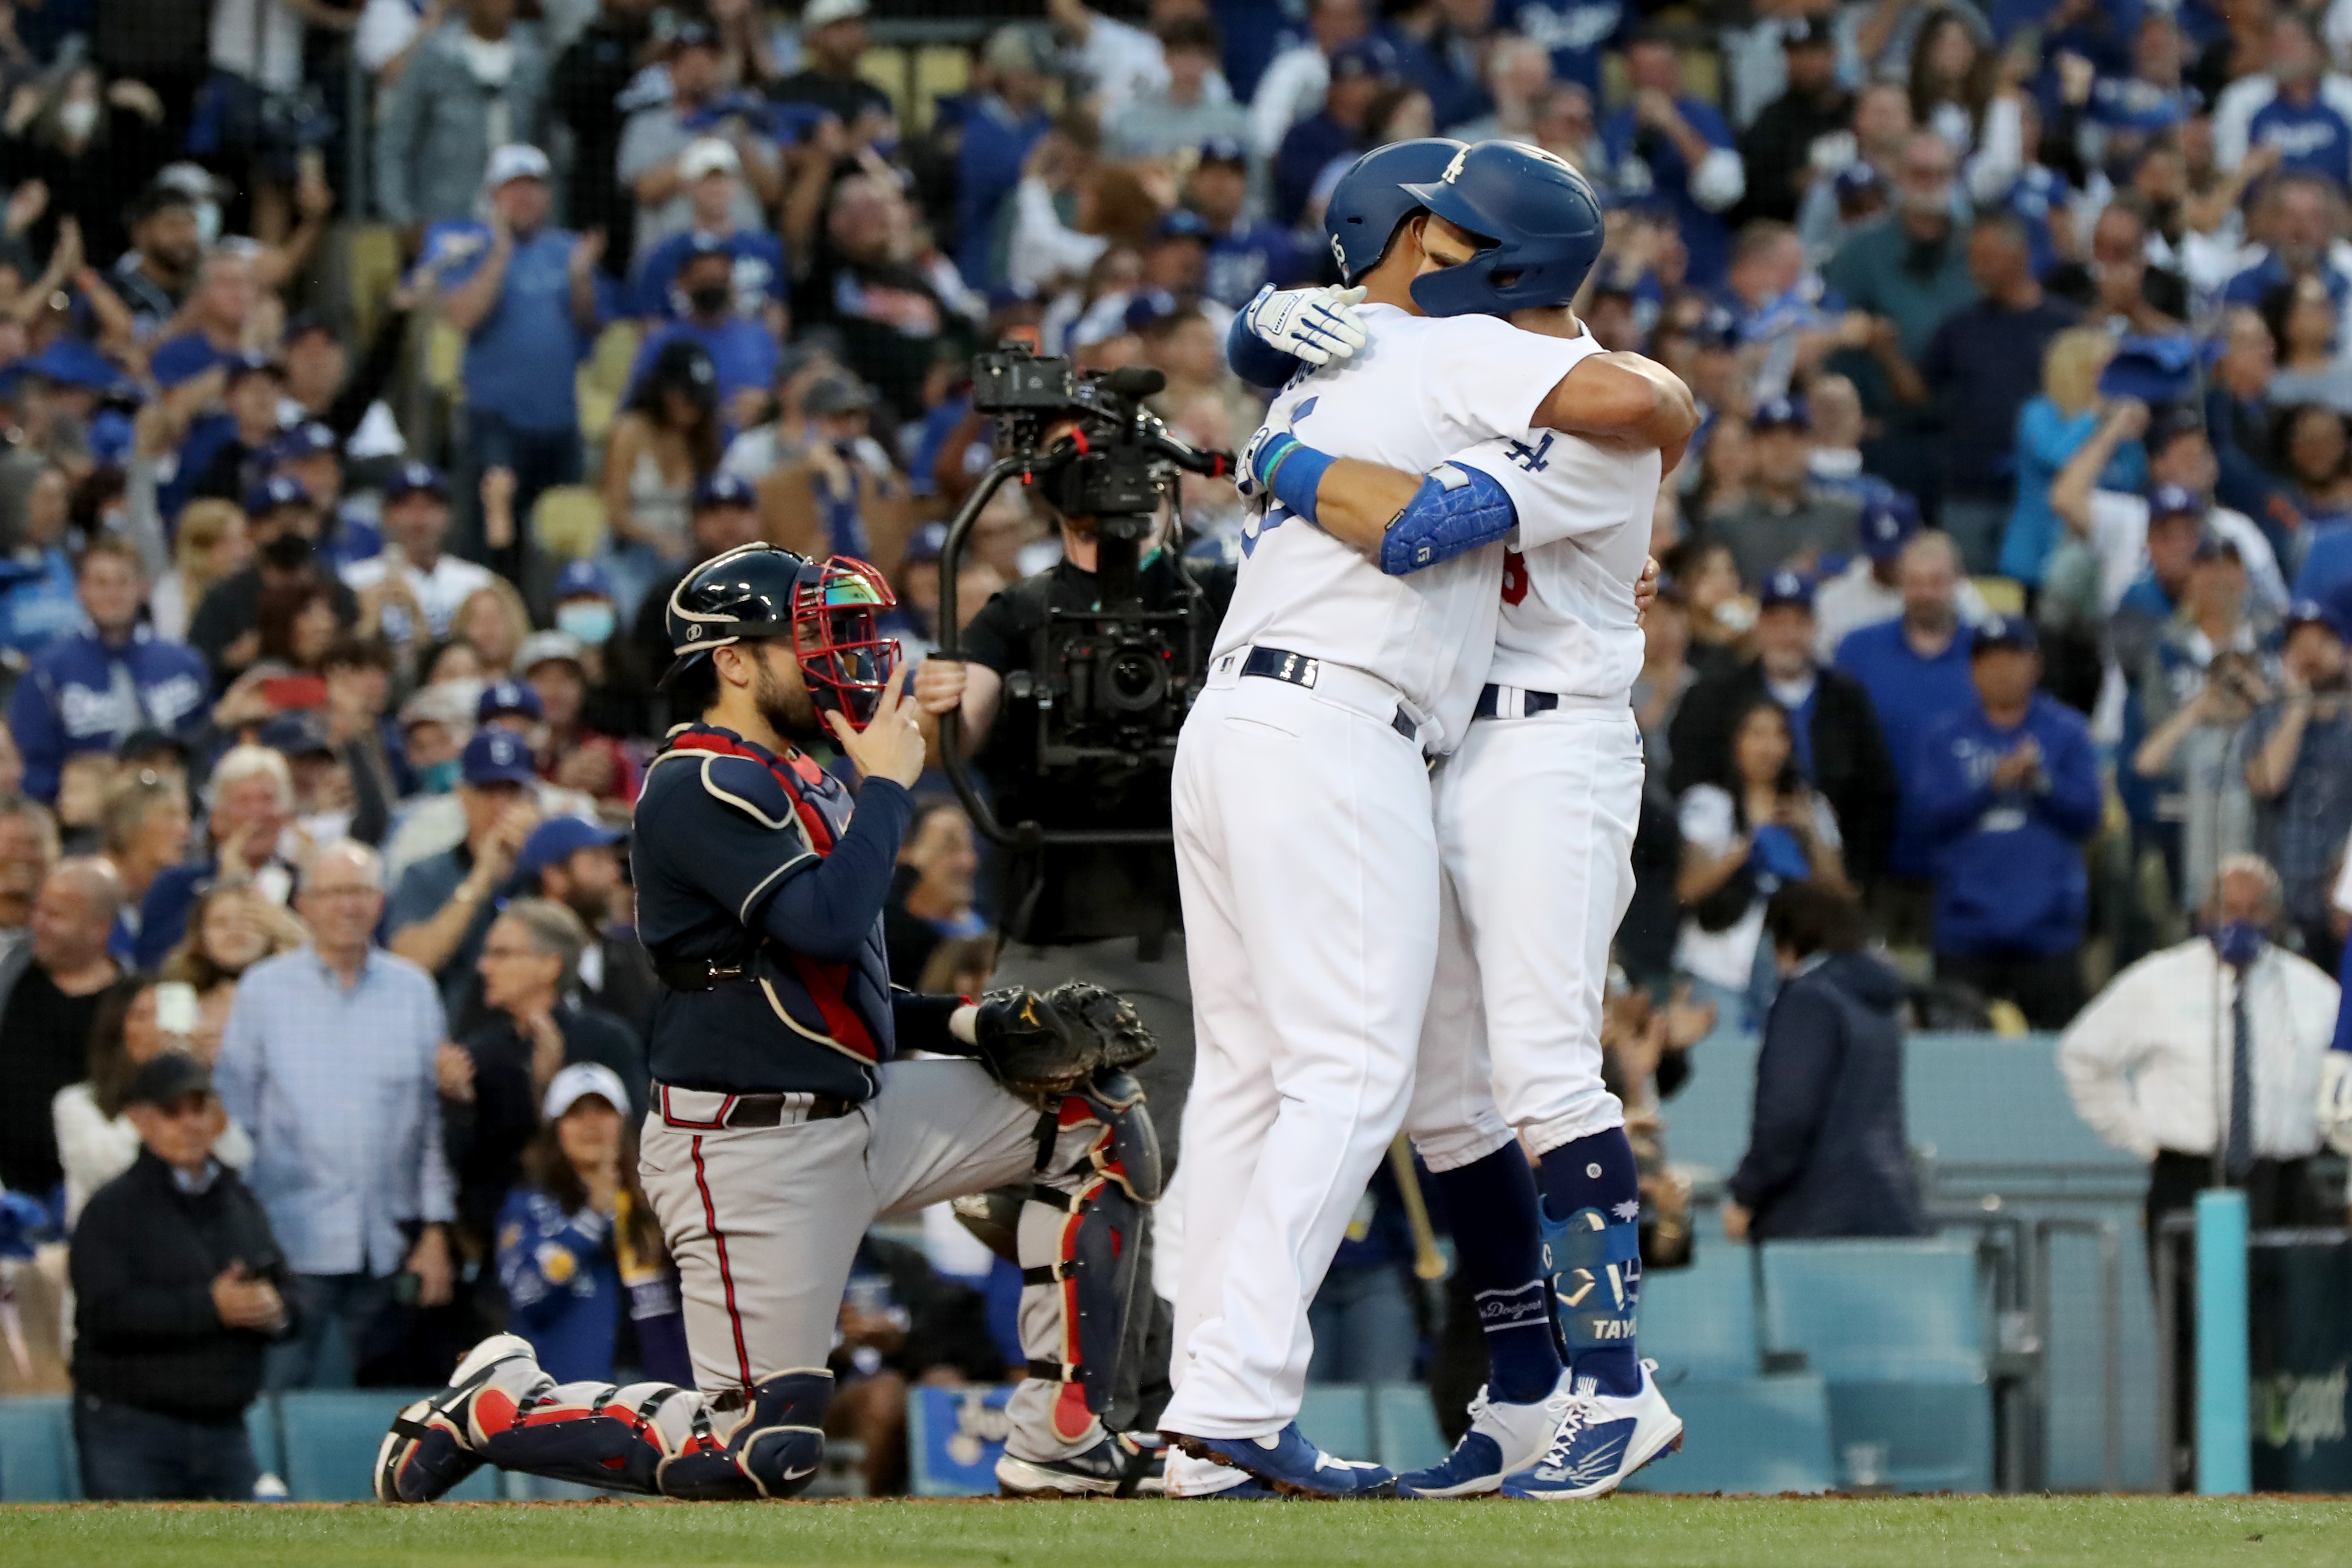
(1182, 223)
(307, 440)
(416, 479)
(1780, 414)
(2006, 631)
(240, 365)
(559, 839)
(2174, 501)
(1718, 329)
(1225, 150)
(295, 735)
(1145, 306)
(267, 495)
(1786, 587)
(500, 697)
(497, 756)
(182, 359)
(71, 362)
(1367, 57)
(2312, 613)
(1856, 180)
(725, 490)
(1888, 523)
(583, 580)
(2152, 369)
(927, 543)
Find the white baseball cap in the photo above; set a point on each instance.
(825, 13)
(579, 1080)
(708, 155)
(515, 161)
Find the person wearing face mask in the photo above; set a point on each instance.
(92, 144)
(711, 172)
(2298, 754)
(570, 750)
(477, 84)
(696, 135)
(742, 350)
(2205, 1060)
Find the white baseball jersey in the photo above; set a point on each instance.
(1568, 622)
(1419, 389)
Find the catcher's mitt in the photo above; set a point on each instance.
(1045, 1046)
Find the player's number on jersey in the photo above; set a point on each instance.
(1515, 577)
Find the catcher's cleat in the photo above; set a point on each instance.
(429, 1449)
(1291, 1464)
(1121, 1466)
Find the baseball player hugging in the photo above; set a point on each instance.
(784, 1121)
(1380, 620)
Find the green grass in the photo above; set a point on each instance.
(1626, 1533)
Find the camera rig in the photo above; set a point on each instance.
(1110, 685)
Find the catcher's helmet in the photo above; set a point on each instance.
(1540, 220)
(830, 610)
(1369, 200)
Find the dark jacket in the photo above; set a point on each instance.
(484, 1137)
(144, 1258)
(1850, 766)
(1826, 1151)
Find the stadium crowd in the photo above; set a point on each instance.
(2008, 581)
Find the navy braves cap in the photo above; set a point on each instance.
(2174, 501)
(583, 580)
(559, 839)
(500, 697)
(2006, 631)
(1786, 587)
(1780, 414)
(416, 479)
(724, 489)
(1888, 523)
(497, 756)
(270, 494)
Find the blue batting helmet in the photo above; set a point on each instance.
(1369, 200)
(1541, 220)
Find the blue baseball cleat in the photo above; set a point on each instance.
(1249, 1489)
(1502, 1439)
(1291, 1464)
(1603, 1439)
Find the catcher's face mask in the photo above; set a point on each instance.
(837, 637)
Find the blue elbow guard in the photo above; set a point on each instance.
(1455, 510)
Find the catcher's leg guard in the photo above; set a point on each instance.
(1079, 1236)
(774, 1452)
(430, 1447)
(659, 1439)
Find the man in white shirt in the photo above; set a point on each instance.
(1294, 82)
(419, 587)
(1870, 590)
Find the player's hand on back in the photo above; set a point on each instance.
(1645, 589)
(891, 745)
(1318, 326)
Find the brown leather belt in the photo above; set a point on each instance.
(768, 1109)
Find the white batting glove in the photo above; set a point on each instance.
(1318, 326)
(1245, 467)
(2335, 1100)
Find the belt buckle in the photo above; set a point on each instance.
(1300, 670)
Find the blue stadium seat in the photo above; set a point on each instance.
(2031, 1122)
(1700, 1321)
(1406, 1435)
(331, 1439)
(1337, 1417)
(1898, 1330)
(1745, 1435)
(37, 1450)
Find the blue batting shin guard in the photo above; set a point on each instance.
(1456, 511)
(1596, 1271)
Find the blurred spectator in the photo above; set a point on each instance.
(493, 1080)
(88, 691)
(584, 93)
(577, 1233)
(414, 587)
(1245, 253)
(2203, 679)
(2297, 217)
(179, 1288)
(145, 832)
(2305, 324)
(209, 546)
(569, 752)
(2294, 104)
(230, 930)
(249, 805)
(579, 864)
(475, 86)
(1188, 109)
(833, 40)
(1745, 831)
(29, 848)
(843, 496)
(710, 172)
(1982, 366)
(1357, 72)
(39, 605)
(1668, 147)
(1001, 127)
(1827, 1154)
(1838, 747)
(2050, 429)
(1296, 79)
(97, 1141)
(360, 736)
(283, 524)
(92, 144)
(50, 990)
(528, 307)
(666, 442)
(741, 349)
(1517, 89)
(1363, 1319)
(1666, 675)
(931, 902)
(1869, 592)
(2007, 794)
(1779, 149)
(253, 387)
(2298, 763)
(328, 1061)
(1856, 192)
(861, 281)
(700, 133)
(443, 908)
(1786, 520)
(1908, 268)
(492, 623)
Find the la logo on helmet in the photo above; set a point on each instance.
(1454, 170)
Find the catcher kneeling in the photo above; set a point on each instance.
(782, 1126)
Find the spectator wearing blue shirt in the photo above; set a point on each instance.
(40, 600)
(998, 134)
(1244, 253)
(2298, 753)
(1360, 72)
(2294, 218)
(526, 298)
(2295, 106)
(2051, 429)
(710, 169)
(742, 352)
(87, 692)
(2008, 794)
(1577, 32)
(1673, 149)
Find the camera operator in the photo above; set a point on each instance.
(1103, 913)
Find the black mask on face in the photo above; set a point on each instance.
(710, 300)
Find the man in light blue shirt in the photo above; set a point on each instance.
(329, 1059)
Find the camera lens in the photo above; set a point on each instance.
(1135, 680)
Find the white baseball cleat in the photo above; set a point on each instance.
(1602, 1438)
